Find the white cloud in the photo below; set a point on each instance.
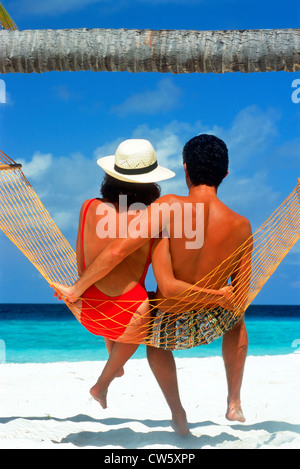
(160, 100)
(2, 92)
(64, 219)
(37, 167)
(108, 148)
(253, 196)
(250, 134)
(289, 154)
(63, 183)
(167, 144)
(5, 96)
(64, 93)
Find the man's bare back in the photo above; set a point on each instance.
(224, 232)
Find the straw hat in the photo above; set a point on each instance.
(135, 161)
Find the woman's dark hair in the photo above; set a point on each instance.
(145, 193)
(206, 158)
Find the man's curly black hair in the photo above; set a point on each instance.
(206, 158)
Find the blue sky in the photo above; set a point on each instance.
(57, 124)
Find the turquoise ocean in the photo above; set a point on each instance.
(42, 333)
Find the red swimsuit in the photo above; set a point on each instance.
(109, 316)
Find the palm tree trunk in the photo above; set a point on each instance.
(174, 51)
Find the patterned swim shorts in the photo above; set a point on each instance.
(175, 331)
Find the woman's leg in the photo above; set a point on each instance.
(121, 351)
(109, 346)
(119, 355)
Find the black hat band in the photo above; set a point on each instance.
(133, 171)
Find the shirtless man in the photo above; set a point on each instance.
(205, 161)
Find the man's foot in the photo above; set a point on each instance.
(234, 412)
(180, 425)
(99, 395)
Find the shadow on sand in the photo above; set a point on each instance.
(129, 439)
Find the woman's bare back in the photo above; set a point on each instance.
(100, 218)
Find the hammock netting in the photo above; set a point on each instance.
(26, 222)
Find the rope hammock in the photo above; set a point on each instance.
(26, 222)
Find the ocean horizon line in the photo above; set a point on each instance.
(43, 332)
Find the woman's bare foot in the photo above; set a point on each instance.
(99, 395)
(234, 412)
(179, 424)
(120, 373)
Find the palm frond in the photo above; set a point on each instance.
(6, 22)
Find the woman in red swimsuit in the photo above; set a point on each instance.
(117, 306)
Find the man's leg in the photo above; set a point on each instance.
(163, 366)
(234, 348)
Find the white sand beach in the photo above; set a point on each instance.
(47, 406)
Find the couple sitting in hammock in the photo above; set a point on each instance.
(110, 292)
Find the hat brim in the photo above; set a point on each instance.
(160, 173)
